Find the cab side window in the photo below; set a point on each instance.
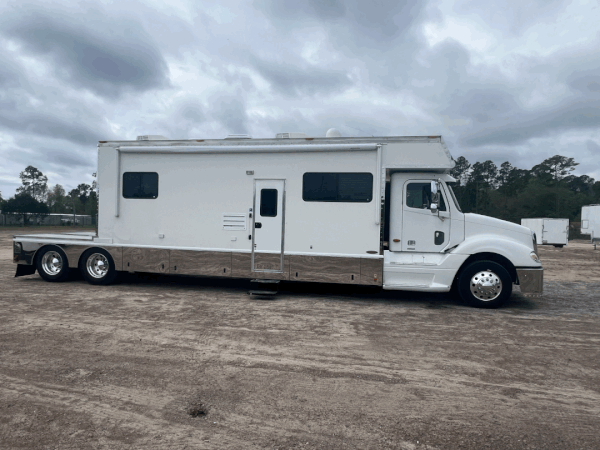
(418, 195)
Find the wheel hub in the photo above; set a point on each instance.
(486, 285)
(52, 263)
(97, 265)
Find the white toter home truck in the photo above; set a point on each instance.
(366, 211)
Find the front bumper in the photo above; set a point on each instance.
(531, 281)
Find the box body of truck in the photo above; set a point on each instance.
(335, 210)
(549, 231)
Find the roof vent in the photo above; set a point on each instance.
(238, 136)
(152, 137)
(332, 132)
(290, 136)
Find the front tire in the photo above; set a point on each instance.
(97, 267)
(52, 264)
(484, 284)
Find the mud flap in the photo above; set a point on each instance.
(23, 269)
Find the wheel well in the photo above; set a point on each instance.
(504, 262)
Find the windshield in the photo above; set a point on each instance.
(454, 197)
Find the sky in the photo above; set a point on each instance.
(513, 80)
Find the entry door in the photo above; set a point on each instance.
(422, 230)
(268, 226)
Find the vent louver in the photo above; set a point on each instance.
(234, 222)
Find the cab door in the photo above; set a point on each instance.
(423, 231)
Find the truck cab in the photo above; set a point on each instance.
(433, 246)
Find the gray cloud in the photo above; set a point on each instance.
(293, 80)
(120, 58)
(73, 124)
(513, 17)
(317, 9)
(10, 72)
(586, 82)
(593, 147)
(482, 105)
(354, 21)
(573, 115)
(230, 112)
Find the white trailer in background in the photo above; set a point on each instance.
(366, 211)
(590, 222)
(549, 231)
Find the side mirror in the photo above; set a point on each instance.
(434, 187)
(435, 197)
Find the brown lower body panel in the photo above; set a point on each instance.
(189, 262)
(241, 266)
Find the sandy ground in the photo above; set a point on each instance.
(183, 363)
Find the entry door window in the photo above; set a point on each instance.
(268, 202)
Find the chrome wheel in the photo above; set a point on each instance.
(486, 286)
(52, 263)
(97, 265)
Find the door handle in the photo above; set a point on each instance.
(258, 225)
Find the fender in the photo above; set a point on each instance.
(517, 253)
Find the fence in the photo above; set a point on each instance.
(50, 219)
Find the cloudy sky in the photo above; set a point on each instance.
(514, 80)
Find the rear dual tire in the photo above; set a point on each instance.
(97, 267)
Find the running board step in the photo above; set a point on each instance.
(263, 292)
(264, 287)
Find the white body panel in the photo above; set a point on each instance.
(590, 221)
(549, 231)
(195, 191)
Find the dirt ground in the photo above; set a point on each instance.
(186, 363)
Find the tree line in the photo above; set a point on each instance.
(548, 189)
(34, 199)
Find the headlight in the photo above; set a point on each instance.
(18, 248)
(534, 257)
